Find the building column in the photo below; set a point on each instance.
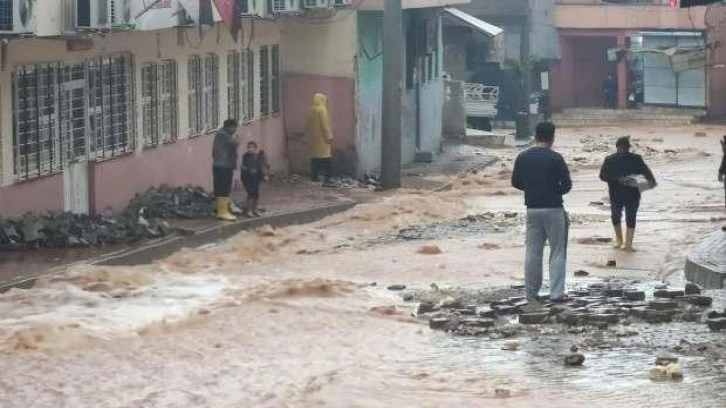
(623, 75)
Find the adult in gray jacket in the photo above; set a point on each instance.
(224, 161)
(544, 177)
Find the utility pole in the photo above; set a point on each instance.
(523, 130)
(392, 88)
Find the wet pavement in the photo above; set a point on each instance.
(302, 316)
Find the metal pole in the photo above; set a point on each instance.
(392, 90)
(523, 127)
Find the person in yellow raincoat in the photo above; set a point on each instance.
(320, 138)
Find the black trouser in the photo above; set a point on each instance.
(318, 166)
(631, 211)
(252, 187)
(222, 181)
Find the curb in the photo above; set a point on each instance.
(167, 246)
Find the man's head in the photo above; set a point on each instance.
(544, 133)
(252, 147)
(623, 144)
(231, 124)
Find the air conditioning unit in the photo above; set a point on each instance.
(103, 14)
(284, 6)
(251, 7)
(342, 3)
(17, 16)
(49, 18)
(316, 4)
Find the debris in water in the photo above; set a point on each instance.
(397, 287)
(575, 359)
(670, 372)
(512, 345)
(693, 289)
(665, 359)
(266, 231)
(611, 263)
(502, 393)
(581, 273)
(430, 250)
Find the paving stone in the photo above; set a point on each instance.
(662, 304)
(693, 289)
(717, 324)
(634, 295)
(534, 318)
(668, 293)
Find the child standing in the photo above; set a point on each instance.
(252, 172)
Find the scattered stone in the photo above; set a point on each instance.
(611, 263)
(396, 287)
(441, 323)
(614, 292)
(502, 393)
(671, 372)
(693, 289)
(574, 360)
(485, 312)
(665, 359)
(661, 286)
(580, 293)
(716, 324)
(697, 300)
(596, 285)
(98, 287)
(662, 304)
(700, 134)
(465, 312)
(580, 273)
(430, 250)
(407, 297)
(534, 318)
(423, 308)
(511, 345)
(477, 322)
(598, 318)
(449, 303)
(714, 314)
(634, 295)
(668, 293)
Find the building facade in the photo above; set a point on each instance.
(659, 54)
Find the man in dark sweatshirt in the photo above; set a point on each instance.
(224, 161)
(615, 169)
(544, 177)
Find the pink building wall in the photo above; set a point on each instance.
(299, 90)
(39, 195)
(114, 182)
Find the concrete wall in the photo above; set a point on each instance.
(633, 17)
(186, 161)
(716, 67)
(320, 58)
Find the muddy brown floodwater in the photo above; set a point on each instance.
(290, 317)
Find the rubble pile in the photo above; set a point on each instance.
(599, 305)
(143, 218)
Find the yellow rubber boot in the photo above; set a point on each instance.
(618, 236)
(629, 234)
(223, 210)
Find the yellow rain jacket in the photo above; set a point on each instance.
(317, 128)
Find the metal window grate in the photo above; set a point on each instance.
(211, 90)
(248, 87)
(194, 69)
(6, 15)
(159, 102)
(234, 83)
(264, 81)
(203, 93)
(275, 79)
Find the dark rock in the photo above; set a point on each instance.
(450, 303)
(407, 297)
(611, 263)
(657, 316)
(397, 287)
(662, 304)
(714, 314)
(423, 308)
(579, 293)
(477, 322)
(465, 312)
(693, 289)
(580, 273)
(665, 359)
(574, 360)
(717, 324)
(697, 300)
(596, 285)
(614, 292)
(668, 293)
(597, 318)
(661, 286)
(534, 318)
(634, 295)
(485, 312)
(440, 323)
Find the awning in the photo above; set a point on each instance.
(482, 26)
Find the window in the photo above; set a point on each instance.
(37, 148)
(203, 93)
(110, 106)
(68, 112)
(275, 78)
(234, 84)
(264, 81)
(159, 100)
(248, 87)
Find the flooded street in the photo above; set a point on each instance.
(303, 317)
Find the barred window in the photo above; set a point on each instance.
(264, 82)
(110, 105)
(203, 92)
(37, 148)
(248, 86)
(275, 79)
(159, 102)
(234, 85)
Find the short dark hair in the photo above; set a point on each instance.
(545, 132)
(229, 123)
(623, 141)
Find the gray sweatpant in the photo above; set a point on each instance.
(546, 224)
